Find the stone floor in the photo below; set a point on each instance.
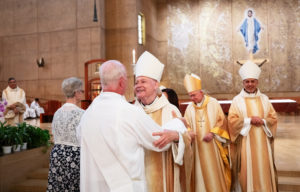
(287, 145)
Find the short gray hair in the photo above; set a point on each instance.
(70, 86)
(110, 72)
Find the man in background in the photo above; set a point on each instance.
(206, 118)
(16, 101)
(252, 124)
(36, 106)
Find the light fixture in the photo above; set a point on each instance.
(97, 67)
(95, 19)
(141, 29)
(40, 62)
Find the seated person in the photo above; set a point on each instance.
(29, 113)
(36, 106)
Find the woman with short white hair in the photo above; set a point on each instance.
(64, 169)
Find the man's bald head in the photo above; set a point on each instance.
(113, 76)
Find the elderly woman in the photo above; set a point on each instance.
(64, 171)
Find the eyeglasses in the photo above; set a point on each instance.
(80, 91)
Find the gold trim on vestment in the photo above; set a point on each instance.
(211, 161)
(257, 170)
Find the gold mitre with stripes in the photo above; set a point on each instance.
(192, 82)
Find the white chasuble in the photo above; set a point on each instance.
(252, 146)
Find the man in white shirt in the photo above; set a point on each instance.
(114, 134)
(36, 106)
(29, 113)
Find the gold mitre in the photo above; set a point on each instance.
(192, 82)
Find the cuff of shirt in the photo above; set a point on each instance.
(178, 150)
(246, 127)
(222, 140)
(175, 125)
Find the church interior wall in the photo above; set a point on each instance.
(121, 35)
(62, 32)
(199, 36)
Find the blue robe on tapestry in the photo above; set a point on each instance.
(244, 31)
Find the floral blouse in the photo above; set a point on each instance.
(65, 121)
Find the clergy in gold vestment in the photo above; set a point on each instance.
(211, 159)
(113, 136)
(161, 168)
(252, 127)
(16, 101)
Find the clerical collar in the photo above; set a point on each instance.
(254, 93)
(200, 104)
(156, 98)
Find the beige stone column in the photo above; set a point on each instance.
(121, 35)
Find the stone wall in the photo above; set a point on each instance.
(121, 35)
(199, 36)
(62, 32)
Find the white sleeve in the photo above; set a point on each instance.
(24, 98)
(220, 139)
(246, 127)
(175, 125)
(144, 128)
(4, 96)
(32, 104)
(177, 149)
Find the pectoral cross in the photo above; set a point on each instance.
(260, 62)
(201, 122)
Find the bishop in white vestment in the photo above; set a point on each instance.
(162, 168)
(114, 135)
(252, 127)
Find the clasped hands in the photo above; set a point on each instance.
(14, 108)
(256, 121)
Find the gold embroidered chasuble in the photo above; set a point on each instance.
(159, 165)
(162, 174)
(252, 153)
(211, 162)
